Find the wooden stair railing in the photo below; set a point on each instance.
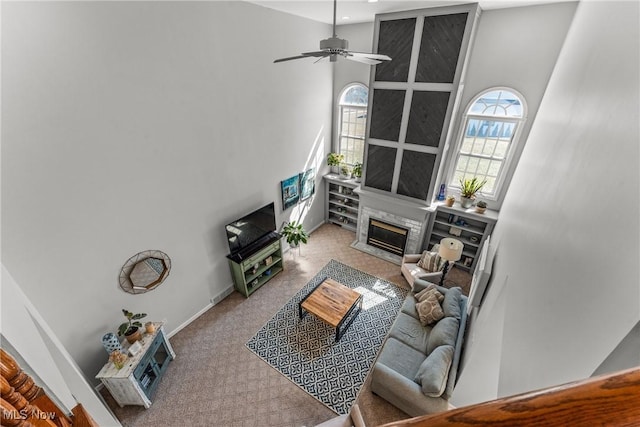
(606, 400)
(24, 404)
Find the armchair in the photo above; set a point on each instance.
(410, 270)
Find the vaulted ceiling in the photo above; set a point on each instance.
(365, 11)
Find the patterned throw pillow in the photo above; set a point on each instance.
(430, 261)
(429, 310)
(429, 290)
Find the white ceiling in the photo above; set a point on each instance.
(363, 11)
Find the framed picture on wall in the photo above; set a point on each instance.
(290, 191)
(307, 184)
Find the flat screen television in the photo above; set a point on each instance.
(251, 229)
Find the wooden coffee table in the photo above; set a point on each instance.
(334, 303)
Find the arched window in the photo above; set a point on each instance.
(492, 125)
(352, 124)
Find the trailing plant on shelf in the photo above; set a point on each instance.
(294, 234)
(468, 190)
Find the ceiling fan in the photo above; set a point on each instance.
(334, 47)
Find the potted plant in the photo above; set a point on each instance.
(357, 171)
(345, 171)
(481, 206)
(295, 234)
(131, 328)
(334, 160)
(468, 190)
(450, 200)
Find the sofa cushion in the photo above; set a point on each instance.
(410, 331)
(434, 371)
(444, 332)
(409, 306)
(401, 358)
(429, 309)
(451, 303)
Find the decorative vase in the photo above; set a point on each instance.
(134, 336)
(111, 343)
(466, 202)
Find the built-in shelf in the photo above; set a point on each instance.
(473, 229)
(343, 203)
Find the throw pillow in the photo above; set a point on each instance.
(429, 310)
(426, 292)
(430, 261)
(444, 333)
(434, 371)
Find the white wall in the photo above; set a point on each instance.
(514, 47)
(517, 48)
(28, 333)
(130, 126)
(566, 282)
(360, 37)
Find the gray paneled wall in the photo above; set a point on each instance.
(413, 97)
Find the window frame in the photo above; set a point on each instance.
(515, 143)
(341, 107)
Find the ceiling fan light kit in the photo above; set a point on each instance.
(334, 46)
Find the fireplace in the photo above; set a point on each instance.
(388, 237)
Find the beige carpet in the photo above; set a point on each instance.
(216, 381)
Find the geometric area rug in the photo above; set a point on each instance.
(305, 350)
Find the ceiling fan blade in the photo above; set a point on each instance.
(290, 58)
(316, 54)
(362, 59)
(375, 56)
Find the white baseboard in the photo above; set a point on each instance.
(215, 300)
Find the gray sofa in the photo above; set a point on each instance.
(418, 365)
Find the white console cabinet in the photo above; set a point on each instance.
(136, 382)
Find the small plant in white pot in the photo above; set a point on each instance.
(357, 171)
(481, 206)
(345, 171)
(334, 160)
(468, 190)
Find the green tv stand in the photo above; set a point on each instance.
(255, 268)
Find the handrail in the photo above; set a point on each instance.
(605, 400)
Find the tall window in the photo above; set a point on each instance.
(353, 122)
(491, 128)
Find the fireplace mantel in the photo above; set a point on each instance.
(394, 210)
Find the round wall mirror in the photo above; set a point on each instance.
(144, 271)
